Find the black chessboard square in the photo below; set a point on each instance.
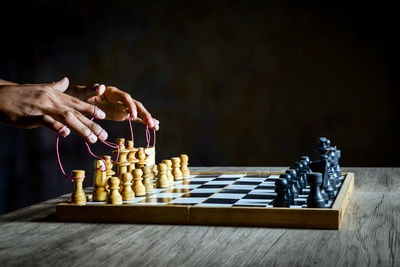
(198, 182)
(212, 186)
(259, 197)
(265, 187)
(221, 201)
(226, 179)
(236, 191)
(197, 195)
(246, 183)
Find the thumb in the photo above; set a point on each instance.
(61, 85)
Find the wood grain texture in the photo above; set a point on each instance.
(369, 235)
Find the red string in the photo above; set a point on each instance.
(130, 126)
(147, 136)
(154, 135)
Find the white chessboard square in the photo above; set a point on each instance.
(252, 179)
(267, 184)
(213, 205)
(205, 190)
(95, 202)
(156, 190)
(274, 176)
(231, 176)
(262, 192)
(188, 200)
(246, 187)
(219, 182)
(228, 196)
(253, 202)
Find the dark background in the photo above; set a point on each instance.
(245, 83)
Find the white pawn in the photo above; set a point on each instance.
(162, 181)
(147, 179)
(114, 197)
(138, 186)
(100, 181)
(170, 177)
(176, 171)
(127, 192)
(184, 166)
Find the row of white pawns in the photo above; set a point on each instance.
(135, 177)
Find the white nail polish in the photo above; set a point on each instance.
(103, 135)
(101, 114)
(102, 88)
(134, 114)
(92, 138)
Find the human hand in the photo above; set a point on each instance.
(117, 105)
(32, 105)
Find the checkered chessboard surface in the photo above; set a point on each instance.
(236, 190)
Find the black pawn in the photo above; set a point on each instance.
(281, 189)
(300, 174)
(305, 170)
(307, 159)
(293, 188)
(289, 193)
(294, 174)
(315, 199)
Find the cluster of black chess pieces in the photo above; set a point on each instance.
(322, 176)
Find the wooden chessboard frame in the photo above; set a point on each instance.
(325, 218)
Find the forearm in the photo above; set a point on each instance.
(4, 82)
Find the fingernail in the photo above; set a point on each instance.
(134, 114)
(65, 132)
(151, 122)
(101, 114)
(102, 88)
(103, 135)
(92, 138)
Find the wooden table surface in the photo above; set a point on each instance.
(369, 235)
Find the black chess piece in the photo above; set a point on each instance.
(290, 183)
(332, 175)
(307, 159)
(338, 170)
(324, 147)
(321, 166)
(294, 175)
(305, 170)
(300, 174)
(315, 199)
(281, 189)
(293, 188)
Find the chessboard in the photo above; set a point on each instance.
(217, 198)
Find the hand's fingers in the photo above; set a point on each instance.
(83, 107)
(68, 117)
(96, 129)
(52, 124)
(144, 114)
(61, 85)
(129, 103)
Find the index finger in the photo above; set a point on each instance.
(144, 114)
